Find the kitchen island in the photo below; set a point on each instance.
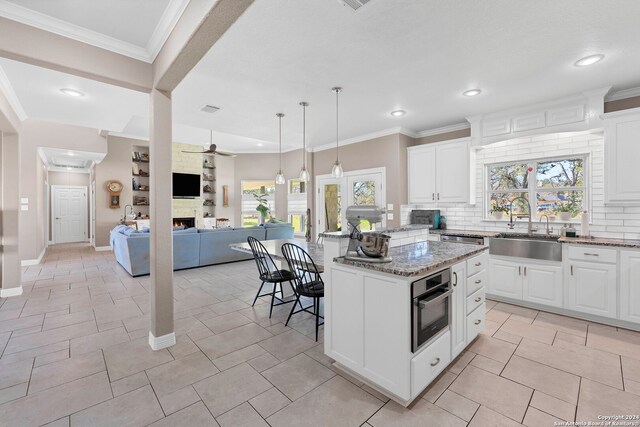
(371, 316)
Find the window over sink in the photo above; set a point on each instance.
(550, 185)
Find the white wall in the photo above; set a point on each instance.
(607, 221)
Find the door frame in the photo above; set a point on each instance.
(327, 178)
(54, 188)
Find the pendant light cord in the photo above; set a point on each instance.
(280, 140)
(304, 136)
(337, 145)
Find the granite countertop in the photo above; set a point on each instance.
(273, 247)
(419, 259)
(345, 234)
(601, 241)
(466, 233)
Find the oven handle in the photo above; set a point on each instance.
(423, 305)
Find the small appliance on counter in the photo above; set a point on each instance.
(370, 246)
(426, 217)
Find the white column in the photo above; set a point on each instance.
(10, 271)
(162, 332)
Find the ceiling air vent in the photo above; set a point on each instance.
(209, 109)
(354, 4)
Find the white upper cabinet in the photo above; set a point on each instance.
(622, 151)
(440, 173)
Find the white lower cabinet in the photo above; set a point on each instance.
(430, 362)
(542, 284)
(505, 278)
(459, 312)
(476, 322)
(591, 288)
(630, 286)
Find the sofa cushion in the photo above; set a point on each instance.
(178, 227)
(128, 231)
(186, 231)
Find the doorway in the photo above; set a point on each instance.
(69, 213)
(363, 187)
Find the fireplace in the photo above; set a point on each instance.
(187, 222)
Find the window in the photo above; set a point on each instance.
(297, 205)
(550, 185)
(250, 216)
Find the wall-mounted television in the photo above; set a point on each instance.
(186, 186)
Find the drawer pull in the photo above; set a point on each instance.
(478, 264)
(435, 362)
(477, 322)
(478, 299)
(590, 254)
(478, 281)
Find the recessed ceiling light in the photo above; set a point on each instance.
(71, 153)
(398, 113)
(472, 92)
(72, 92)
(260, 144)
(589, 60)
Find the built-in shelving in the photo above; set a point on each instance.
(209, 180)
(140, 180)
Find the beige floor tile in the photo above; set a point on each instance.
(180, 373)
(593, 364)
(35, 352)
(242, 416)
(178, 400)
(132, 357)
(196, 415)
(560, 323)
(239, 356)
(65, 371)
(537, 418)
(13, 392)
(263, 362)
(525, 330)
(57, 402)
(375, 393)
(21, 323)
(230, 341)
(506, 336)
(522, 314)
(493, 348)
(617, 342)
(317, 352)
(40, 339)
(184, 346)
(458, 405)
(490, 328)
(269, 402)
(51, 357)
(336, 402)
(630, 369)
(128, 384)
(498, 316)
(226, 322)
(487, 364)
(497, 393)
(228, 306)
(570, 338)
(485, 417)
(541, 377)
(137, 408)
(556, 407)
(598, 399)
(67, 319)
(438, 386)
(631, 386)
(461, 362)
(230, 388)
(393, 414)
(62, 422)
(122, 309)
(15, 373)
(298, 375)
(287, 344)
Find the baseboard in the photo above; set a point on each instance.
(162, 342)
(11, 292)
(102, 248)
(27, 262)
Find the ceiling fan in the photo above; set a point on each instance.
(211, 150)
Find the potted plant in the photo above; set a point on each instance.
(498, 211)
(263, 206)
(565, 210)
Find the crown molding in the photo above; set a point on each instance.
(623, 94)
(444, 129)
(366, 137)
(7, 89)
(57, 26)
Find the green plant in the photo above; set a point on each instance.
(498, 208)
(263, 204)
(568, 206)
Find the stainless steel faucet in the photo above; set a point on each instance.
(549, 230)
(512, 224)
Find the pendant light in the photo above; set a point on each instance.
(279, 176)
(337, 171)
(304, 174)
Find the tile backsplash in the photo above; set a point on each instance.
(606, 221)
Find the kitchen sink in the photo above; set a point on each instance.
(526, 246)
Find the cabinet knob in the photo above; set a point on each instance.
(590, 254)
(435, 362)
(478, 299)
(478, 281)
(478, 264)
(477, 322)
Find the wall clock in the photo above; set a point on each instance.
(115, 188)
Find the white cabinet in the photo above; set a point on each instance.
(622, 150)
(440, 173)
(542, 284)
(428, 364)
(475, 322)
(505, 278)
(459, 312)
(591, 288)
(630, 286)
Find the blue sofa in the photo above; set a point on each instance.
(191, 247)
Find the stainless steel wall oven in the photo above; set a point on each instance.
(431, 303)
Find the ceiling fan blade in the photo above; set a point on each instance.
(224, 154)
(198, 152)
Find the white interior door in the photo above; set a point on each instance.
(69, 213)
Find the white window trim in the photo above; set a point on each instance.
(531, 191)
(297, 197)
(271, 199)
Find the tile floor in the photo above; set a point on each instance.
(74, 352)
